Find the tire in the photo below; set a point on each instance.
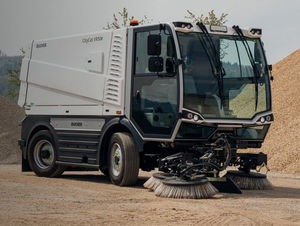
(123, 160)
(42, 155)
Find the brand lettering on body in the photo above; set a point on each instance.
(41, 45)
(92, 39)
(76, 124)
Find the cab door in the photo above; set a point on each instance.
(155, 88)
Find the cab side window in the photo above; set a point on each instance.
(142, 57)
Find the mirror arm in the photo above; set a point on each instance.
(162, 27)
(179, 62)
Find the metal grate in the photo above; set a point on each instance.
(115, 66)
(113, 84)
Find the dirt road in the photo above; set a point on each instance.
(84, 198)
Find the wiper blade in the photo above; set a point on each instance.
(219, 70)
(210, 59)
(251, 58)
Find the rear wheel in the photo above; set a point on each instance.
(42, 155)
(123, 160)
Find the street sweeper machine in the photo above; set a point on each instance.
(184, 98)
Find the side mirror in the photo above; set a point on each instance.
(270, 67)
(154, 45)
(156, 64)
(170, 66)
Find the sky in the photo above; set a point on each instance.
(22, 21)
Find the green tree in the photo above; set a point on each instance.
(211, 19)
(122, 19)
(14, 80)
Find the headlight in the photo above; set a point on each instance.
(268, 118)
(196, 117)
(189, 115)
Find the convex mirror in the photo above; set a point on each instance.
(154, 45)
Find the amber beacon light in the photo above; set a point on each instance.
(134, 22)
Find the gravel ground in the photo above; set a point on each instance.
(85, 198)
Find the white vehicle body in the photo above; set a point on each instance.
(75, 75)
(79, 92)
(81, 74)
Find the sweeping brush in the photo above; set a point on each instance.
(182, 189)
(155, 180)
(249, 181)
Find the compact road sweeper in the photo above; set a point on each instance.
(180, 97)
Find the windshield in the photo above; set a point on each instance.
(201, 87)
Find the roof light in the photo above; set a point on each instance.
(256, 31)
(218, 28)
(134, 22)
(183, 25)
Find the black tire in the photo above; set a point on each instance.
(42, 155)
(123, 160)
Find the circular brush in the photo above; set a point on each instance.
(178, 188)
(249, 181)
(155, 180)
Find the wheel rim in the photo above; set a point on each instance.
(116, 159)
(43, 154)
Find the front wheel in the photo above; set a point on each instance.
(42, 155)
(123, 160)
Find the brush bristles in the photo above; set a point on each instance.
(201, 191)
(251, 183)
(152, 183)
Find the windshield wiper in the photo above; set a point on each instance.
(219, 71)
(213, 67)
(251, 58)
(206, 49)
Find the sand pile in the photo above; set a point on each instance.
(283, 141)
(10, 117)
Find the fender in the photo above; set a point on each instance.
(30, 124)
(108, 129)
(137, 138)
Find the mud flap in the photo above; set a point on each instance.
(25, 165)
(224, 185)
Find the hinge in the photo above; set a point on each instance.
(27, 107)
